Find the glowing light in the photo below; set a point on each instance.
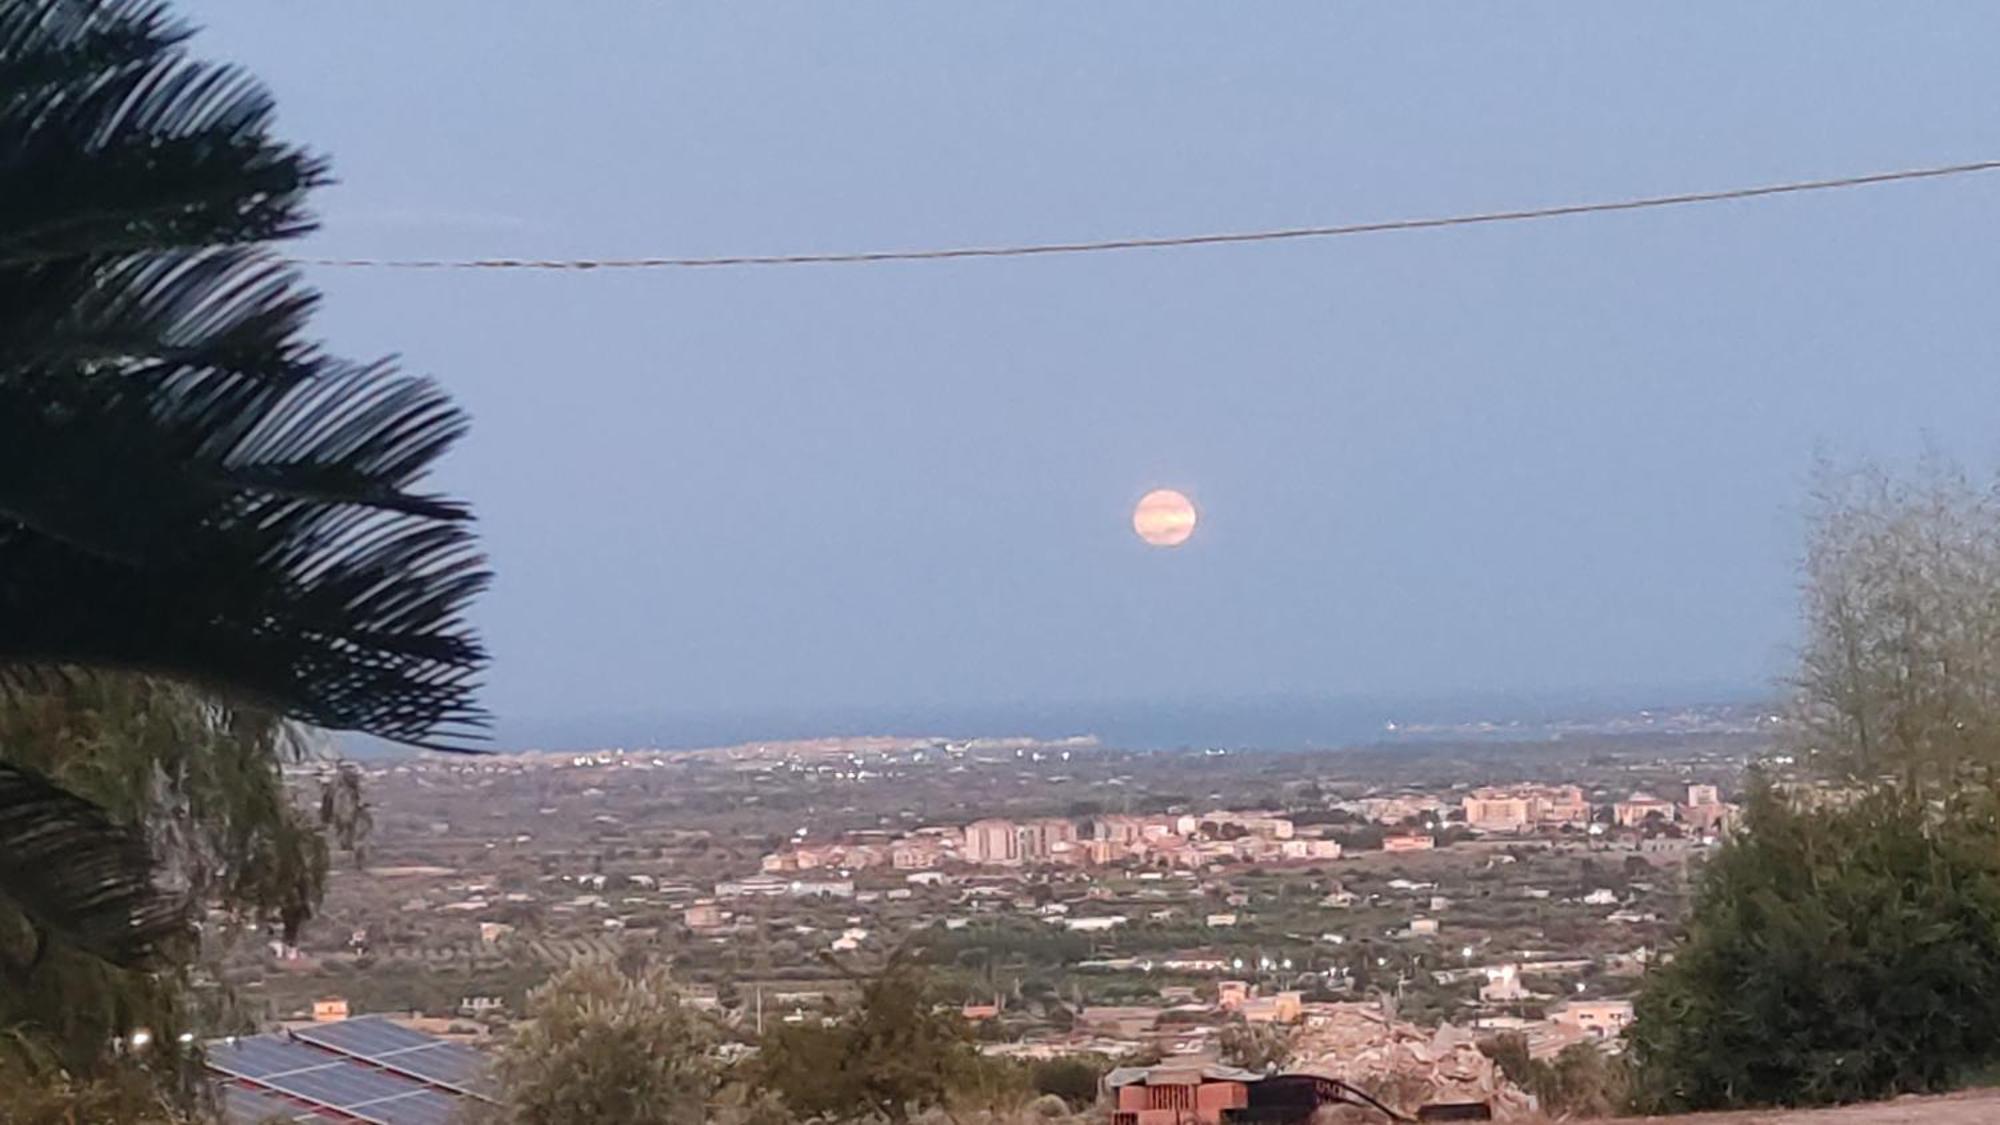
(1164, 518)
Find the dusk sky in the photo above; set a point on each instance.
(1544, 457)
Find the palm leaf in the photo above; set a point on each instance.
(78, 876)
(188, 488)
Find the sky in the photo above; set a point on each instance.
(1543, 458)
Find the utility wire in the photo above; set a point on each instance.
(1283, 234)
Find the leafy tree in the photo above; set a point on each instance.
(1073, 1078)
(896, 1050)
(1256, 1046)
(1580, 1082)
(205, 780)
(1833, 954)
(603, 1046)
(1900, 670)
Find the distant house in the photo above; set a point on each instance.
(1423, 927)
(1603, 1019)
(329, 1009)
(1408, 842)
(1221, 920)
(1279, 1007)
(704, 915)
(1193, 1094)
(1503, 985)
(1122, 1023)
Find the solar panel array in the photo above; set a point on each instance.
(367, 1069)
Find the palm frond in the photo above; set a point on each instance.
(187, 487)
(77, 875)
(113, 142)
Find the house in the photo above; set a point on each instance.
(330, 1009)
(1503, 985)
(1193, 1094)
(1231, 994)
(1408, 842)
(1117, 1022)
(491, 932)
(1280, 1007)
(1219, 920)
(703, 915)
(1603, 1019)
(1423, 927)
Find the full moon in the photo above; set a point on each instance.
(1164, 518)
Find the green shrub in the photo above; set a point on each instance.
(1833, 954)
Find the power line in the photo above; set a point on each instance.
(1278, 235)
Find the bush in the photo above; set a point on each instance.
(1833, 955)
(1073, 1078)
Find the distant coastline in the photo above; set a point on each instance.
(1271, 723)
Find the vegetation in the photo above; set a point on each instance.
(208, 528)
(1835, 954)
(1899, 675)
(1256, 1046)
(1846, 944)
(602, 1045)
(202, 780)
(1580, 1082)
(897, 1050)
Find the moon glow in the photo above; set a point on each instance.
(1164, 518)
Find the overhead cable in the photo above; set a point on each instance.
(1163, 242)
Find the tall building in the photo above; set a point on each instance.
(1699, 795)
(1497, 810)
(992, 841)
(1038, 838)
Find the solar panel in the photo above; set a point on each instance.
(242, 1106)
(344, 1084)
(448, 1063)
(263, 1055)
(369, 1037)
(364, 1069)
(430, 1107)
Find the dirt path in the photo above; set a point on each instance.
(1967, 1107)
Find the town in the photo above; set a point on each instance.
(1369, 900)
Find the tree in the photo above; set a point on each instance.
(1256, 1046)
(208, 528)
(1073, 1078)
(1900, 670)
(603, 1046)
(1580, 1082)
(205, 781)
(188, 488)
(897, 1049)
(1833, 954)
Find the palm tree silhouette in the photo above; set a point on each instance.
(189, 488)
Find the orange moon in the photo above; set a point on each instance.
(1164, 518)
